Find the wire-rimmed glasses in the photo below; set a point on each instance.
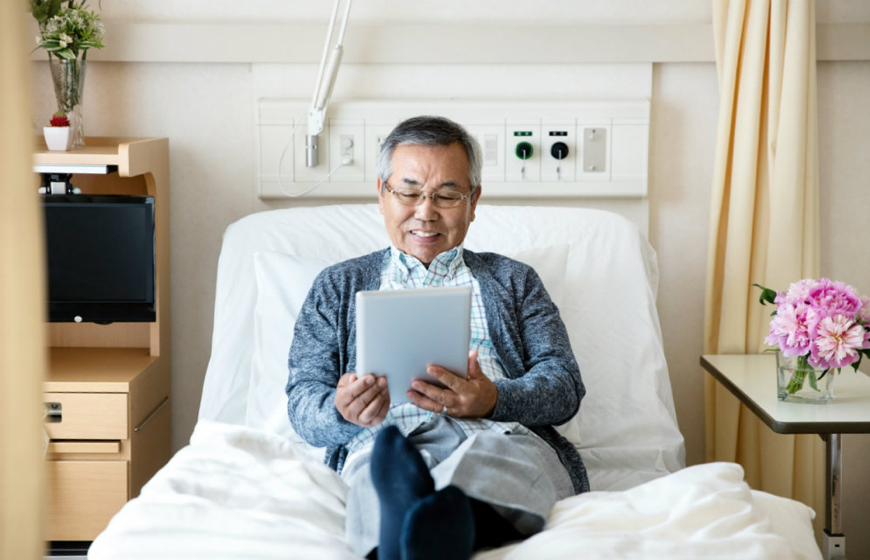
(442, 198)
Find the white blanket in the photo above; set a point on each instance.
(237, 492)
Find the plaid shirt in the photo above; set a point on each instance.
(400, 271)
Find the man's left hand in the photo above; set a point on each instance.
(474, 397)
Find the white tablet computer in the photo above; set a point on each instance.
(401, 332)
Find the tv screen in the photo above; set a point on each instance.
(100, 251)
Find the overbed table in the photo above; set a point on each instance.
(752, 379)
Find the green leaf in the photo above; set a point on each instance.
(812, 379)
(767, 295)
(40, 13)
(53, 7)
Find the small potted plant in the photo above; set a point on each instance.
(57, 136)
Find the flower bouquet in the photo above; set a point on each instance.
(818, 325)
(66, 33)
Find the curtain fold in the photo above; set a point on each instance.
(764, 222)
(22, 301)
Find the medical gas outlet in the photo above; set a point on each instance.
(559, 146)
(525, 165)
(524, 150)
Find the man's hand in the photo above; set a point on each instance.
(363, 401)
(474, 397)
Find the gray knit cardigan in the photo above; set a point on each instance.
(543, 388)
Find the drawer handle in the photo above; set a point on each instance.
(53, 412)
(62, 447)
(152, 415)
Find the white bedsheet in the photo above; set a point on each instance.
(236, 492)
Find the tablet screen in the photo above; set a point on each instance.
(400, 332)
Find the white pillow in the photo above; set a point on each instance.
(549, 263)
(283, 282)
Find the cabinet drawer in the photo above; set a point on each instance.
(83, 497)
(86, 415)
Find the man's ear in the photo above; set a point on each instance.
(381, 200)
(474, 200)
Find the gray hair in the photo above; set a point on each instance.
(431, 131)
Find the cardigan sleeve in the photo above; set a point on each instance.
(315, 365)
(544, 386)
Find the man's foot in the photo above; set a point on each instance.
(439, 526)
(401, 478)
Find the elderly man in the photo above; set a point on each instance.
(475, 463)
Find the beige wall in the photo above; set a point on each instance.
(844, 169)
(207, 112)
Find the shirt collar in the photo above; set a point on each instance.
(448, 261)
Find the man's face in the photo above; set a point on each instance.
(425, 231)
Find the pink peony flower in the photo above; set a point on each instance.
(798, 292)
(864, 311)
(834, 298)
(789, 329)
(837, 342)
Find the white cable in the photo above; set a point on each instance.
(345, 161)
(325, 179)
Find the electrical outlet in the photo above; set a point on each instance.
(345, 137)
(375, 135)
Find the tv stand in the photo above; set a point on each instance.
(107, 391)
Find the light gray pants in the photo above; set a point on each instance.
(520, 476)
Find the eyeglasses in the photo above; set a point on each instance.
(443, 198)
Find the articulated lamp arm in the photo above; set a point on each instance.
(329, 63)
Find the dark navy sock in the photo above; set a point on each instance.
(401, 478)
(439, 527)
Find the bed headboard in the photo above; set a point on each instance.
(598, 268)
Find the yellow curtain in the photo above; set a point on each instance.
(22, 300)
(764, 224)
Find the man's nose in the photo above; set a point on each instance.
(426, 210)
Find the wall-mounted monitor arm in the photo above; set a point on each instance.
(329, 63)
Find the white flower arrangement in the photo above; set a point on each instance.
(67, 31)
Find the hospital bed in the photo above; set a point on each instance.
(247, 486)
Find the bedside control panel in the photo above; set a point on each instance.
(535, 148)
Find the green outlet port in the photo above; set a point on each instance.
(524, 150)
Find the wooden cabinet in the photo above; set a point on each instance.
(107, 392)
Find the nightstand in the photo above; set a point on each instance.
(107, 391)
(752, 379)
(108, 420)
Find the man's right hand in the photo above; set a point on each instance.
(363, 401)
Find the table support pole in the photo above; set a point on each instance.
(833, 540)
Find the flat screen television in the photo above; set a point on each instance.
(100, 251)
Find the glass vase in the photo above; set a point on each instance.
(798, 381)
(69, 81)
